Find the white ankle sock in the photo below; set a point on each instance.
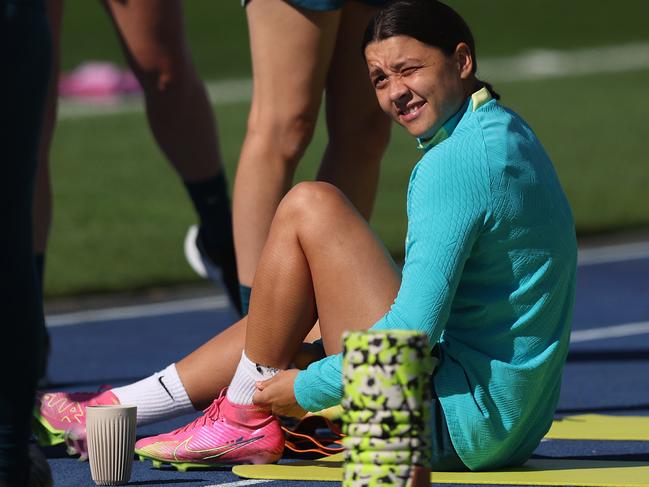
(243, 385)
(158, 397)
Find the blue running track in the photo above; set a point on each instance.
(607, 370)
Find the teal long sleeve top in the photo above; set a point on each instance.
(489, 275)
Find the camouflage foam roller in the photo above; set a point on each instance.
(361, 475)
(387, 444)
(390, 390)
(384, 457)
(391, 347)
(382, 430)
(389, 418)
(387, 394)
(386, 370)
(405, 374)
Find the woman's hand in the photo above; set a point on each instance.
(277, 393)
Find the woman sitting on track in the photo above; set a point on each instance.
(489, 276)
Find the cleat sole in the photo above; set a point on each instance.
(180, 466)
(46, 434)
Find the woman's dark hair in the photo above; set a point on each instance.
(428, 21)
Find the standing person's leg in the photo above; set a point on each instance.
(358, 129)
(43, 185)
(25, 52)
(291, 50)
(181, 118)
(42, 206)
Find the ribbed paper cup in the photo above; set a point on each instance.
(111, 443)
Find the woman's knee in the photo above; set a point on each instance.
(162, 70)
(310, 205)
(283, 134)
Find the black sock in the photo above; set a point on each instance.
(210, 199)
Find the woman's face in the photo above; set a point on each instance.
(417, 84)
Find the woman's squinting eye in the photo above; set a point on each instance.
(408, 70)
(379, 80)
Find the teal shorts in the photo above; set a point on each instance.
(444, 458)
(324, 5)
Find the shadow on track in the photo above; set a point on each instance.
(603, 409)
(608, 355)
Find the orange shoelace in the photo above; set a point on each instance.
(314, 434)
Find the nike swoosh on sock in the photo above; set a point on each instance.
(165, 388)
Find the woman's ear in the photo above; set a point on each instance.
(463, 60)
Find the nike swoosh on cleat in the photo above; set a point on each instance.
(165, 388)
(219, 450)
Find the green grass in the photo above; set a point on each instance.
(219, 38)
(595, 130)
(121, 214)
(216, 30)
(510, 26)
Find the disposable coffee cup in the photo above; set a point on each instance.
(111, 443)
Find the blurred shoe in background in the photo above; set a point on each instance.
(222, 272)
(95, 79)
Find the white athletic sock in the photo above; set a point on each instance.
(158, 397)
(243, 385)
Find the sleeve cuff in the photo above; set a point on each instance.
(320, 386)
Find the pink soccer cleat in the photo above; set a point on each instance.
(61, 417)
(225, 434)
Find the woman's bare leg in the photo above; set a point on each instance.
(210, 368)
(42, 211)
(321, 254)
(296, 54)
(291, 50)
(177, 107)
(181, 119)
(358, 129)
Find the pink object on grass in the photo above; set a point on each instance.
(98, 80)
